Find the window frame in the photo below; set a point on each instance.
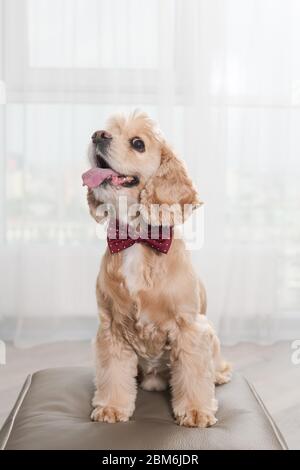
(89, 85)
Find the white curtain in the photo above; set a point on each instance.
(222, 77)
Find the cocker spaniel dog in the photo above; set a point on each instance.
(153, 329)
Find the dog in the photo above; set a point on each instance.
(153, 328)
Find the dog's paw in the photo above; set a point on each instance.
(224, 375)
(222, 378)
(109, 414)
(194, 418)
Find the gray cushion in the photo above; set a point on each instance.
(54, 406)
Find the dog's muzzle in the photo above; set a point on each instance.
(101, 139)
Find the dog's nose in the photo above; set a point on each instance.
(100, 136)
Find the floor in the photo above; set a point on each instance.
(269, 368)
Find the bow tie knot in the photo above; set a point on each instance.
(158, 238)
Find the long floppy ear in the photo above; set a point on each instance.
(169, 196)
(94, 206)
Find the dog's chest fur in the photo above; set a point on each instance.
(132, 267)
(146, 336)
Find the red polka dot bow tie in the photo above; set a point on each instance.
(121, 236)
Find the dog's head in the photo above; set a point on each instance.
(148, 171)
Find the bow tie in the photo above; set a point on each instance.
(157, 237)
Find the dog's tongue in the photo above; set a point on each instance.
(95, 176)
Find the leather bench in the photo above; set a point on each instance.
(53, 412)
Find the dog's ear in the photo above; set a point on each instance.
(95, 208)
(169, 196)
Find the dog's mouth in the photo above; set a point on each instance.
(118, 179)
(104, 174)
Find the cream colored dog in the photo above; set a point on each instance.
(152, 305)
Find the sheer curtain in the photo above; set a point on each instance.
(222, 77)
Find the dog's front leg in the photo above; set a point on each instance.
(192, 374)
(116, 370)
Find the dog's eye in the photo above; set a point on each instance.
(137, 144)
